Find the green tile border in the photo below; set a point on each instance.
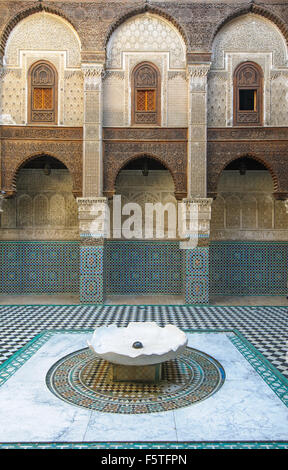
(148, 445)
(272, 377)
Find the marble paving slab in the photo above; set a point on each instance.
(244, 409)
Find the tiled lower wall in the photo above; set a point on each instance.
(39, 267)
(248, 268)
(143, 267)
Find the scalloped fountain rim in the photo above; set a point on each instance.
(160, 344)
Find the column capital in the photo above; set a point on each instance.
(202, 202)
(93, 74)
(197, 212)
(93, 214)
(197, 77)
(198, 70)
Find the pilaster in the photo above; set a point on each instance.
(92, 130)
(197, 129)
(93, 219)
(196, 251)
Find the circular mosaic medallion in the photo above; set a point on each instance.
(86, 381)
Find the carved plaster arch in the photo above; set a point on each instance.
(146, 9)
(126, 39)
(253, 157)
(121, 166)
(24, 14)
(256, 9)
(11, 181)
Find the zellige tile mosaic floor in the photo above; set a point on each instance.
(266, 328)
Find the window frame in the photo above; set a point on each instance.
(32, 86)
(256, 115)
(157, 99)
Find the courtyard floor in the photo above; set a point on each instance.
(261, 329)
(70, 299)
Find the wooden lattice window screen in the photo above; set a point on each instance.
(248, 95)
(146, 94)
(42, 94)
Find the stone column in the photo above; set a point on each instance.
(93, 222)
(2, 197)
(92, 130)
(197, 212)
(197, 129)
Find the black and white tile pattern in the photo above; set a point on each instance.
(266, 328)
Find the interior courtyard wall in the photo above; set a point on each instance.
(42, 36)
(44, 207)
(146, 37)
(245, 208)
(156, 187)
(248, 38)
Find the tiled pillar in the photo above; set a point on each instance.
(196, 257)
(197, 129)
(93, 216)
(197, 275)
(92, 274)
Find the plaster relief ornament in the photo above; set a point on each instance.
(138, 344)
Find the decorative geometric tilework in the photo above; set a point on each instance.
(277, 383)
(266, 328)
(86, 381)
(92, 274)
(148, 267)
(39, 267)
(197, 275)
(248, 268)
(146, 445)
(91, 260)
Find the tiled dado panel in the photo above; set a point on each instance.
(39, 267)
(143, 267)
(92, 274)
(197, 275)
(248, 268)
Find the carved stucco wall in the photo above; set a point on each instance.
(43, 208)
(42, 36)
(245, 208)
(157, 186)
(249, 37)
(145, 37)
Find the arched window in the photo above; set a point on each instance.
(146, 94)
(248, 95)
(42, 108)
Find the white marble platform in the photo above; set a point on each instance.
(245, 408)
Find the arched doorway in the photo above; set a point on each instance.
(137, 263)
(43, 207)
(39, 230)
(144, 180)
(248, 228)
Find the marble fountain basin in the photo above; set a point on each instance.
(138, 344)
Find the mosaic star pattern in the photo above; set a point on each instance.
(248, 268)
(231, 268)
(39, 267)
(143, 267)
(92, 274)
(87, 382)
(197, 275)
